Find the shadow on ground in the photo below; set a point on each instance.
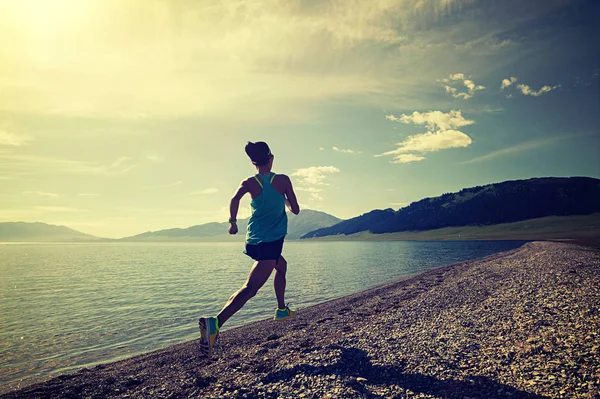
(355, 363)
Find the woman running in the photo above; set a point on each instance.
(266, 232)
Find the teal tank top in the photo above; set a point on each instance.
(269, 219)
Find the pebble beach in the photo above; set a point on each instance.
(519, 324)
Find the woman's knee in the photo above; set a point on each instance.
(249, 290)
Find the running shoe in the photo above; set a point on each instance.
(285, 313)
(209, 331)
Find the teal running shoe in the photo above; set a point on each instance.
(209, 331)
(285, 313)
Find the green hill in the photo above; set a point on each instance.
(506, 202)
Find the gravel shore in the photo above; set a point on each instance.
(521, 324)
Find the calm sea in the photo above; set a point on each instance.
(68, 306)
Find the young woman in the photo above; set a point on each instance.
(267, 228)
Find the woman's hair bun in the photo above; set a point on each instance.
(258, 152)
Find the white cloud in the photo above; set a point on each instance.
(206, 191)
(315, 193)
(244, 212)
(167, 185)
(434, 120)
(346, 151)
(41, 194)
(321, 148)
(507, 82)
(41, 165)
(312, 180)
(247, 56)
(527, 91)
(442, 134)
(155, 158)
(458, 92)
(527, 146)
(429, 142)
(314, 175)
(405, 158)
(12, 139)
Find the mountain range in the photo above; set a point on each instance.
(492, 204)
(22, 231)
(298, 225)
(506, 202)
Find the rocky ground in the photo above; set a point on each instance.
(522, 324)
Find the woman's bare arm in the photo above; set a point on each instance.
(234, 206)
(290, 201)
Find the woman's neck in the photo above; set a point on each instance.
(264, 170)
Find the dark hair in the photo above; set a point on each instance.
(259, 153)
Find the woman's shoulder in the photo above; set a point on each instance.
(250, 181)
(281, 176)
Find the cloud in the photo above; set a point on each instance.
(43, 165)
(314, 175)
(527, 146)
(247, 56)
(507, 82)
(405, 158)
(88, 195)
(346, 151)
(442, 134)
(155, 158)
(456, 92)
(525, 89)
(167, 185)
(244, 212)
(434, 120)
(206, 191)
(429, 142)
(12, 139)
(315, 193)
(41, 194)
(312, 180)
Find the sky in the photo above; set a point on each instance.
(124, 116)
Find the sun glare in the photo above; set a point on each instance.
(46, 16)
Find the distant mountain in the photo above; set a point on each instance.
(298, 225)
(202, 230)
(308, 220)
(505, 202)
(22, 231)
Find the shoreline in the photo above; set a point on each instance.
(439, 333)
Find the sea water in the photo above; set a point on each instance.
(64, 307)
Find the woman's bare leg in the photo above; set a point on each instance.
(279, 282)
(256, 279)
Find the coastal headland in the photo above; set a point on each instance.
(520, 324)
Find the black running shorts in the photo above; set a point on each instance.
(265, 250)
